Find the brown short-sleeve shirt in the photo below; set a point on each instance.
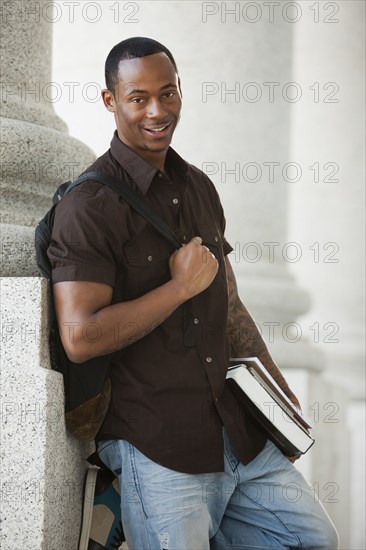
(169, 399)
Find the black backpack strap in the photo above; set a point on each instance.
(135, 200)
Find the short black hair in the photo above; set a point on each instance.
(137, 46)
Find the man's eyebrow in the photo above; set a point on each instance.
(169, 85)
(138, 91)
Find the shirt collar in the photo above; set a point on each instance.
(141, 171)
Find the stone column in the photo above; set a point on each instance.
(36, 151)
(42, 467)
(331, 130)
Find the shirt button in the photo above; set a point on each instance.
(184, 237)
(150, 258)
(175, 201)
(160, 175)
(209, 359)
(196, 321)
(216, 239)
(216, 399)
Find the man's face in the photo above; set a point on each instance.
(146, 103)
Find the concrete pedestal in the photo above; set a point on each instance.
(42, 467)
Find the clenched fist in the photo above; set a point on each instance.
(194, 267)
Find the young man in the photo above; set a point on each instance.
(194, 471)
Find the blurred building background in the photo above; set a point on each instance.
(273, 112)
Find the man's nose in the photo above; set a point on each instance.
(155, 109)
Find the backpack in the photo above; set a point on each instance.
(87, 385)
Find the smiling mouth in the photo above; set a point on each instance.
(159, 131)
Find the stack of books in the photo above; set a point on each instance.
(269, 406)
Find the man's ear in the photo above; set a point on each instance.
(108, 100)
(179, 87)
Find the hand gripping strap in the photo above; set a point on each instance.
(137, 202)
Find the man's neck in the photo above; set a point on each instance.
(156, 159)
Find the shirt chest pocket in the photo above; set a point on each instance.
(146, 266)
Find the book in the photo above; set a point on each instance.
(269, 406)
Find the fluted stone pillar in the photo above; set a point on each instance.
(325, 131)
(42, 467)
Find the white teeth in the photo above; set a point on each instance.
(158, 129)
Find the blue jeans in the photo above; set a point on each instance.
(264, 505)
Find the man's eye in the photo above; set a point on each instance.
(169, 94)
(137, 100)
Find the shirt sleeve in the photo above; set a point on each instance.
(84, 244)
(227, 248)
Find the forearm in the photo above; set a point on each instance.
(116, 326)
(245, 338)
(246, 341)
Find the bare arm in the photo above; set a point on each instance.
(91, 326)
(245, 339)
